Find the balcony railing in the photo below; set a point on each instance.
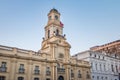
(21, 70)
(48, 73)
(61, 70)
(36, 71)
(3, 69)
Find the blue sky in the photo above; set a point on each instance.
(87, 23)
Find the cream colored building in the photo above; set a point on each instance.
(52, 62)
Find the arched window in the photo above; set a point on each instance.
(20, 78)
(56, 17)
(48, 33)
(57, 32)
(36, 78)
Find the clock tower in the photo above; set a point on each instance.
(54, 43)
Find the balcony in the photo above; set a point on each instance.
(36, 71)
(48, 73)
(21, 70)
(61, 70)
(3, 69)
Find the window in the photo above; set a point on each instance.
(96, 66)
(72, 74)
(115, 55)
(100, 67)
(99, 57)
(91, 64)
(57, 32)
(48, 33)
(95, 55)
(21, 68)
(48, 68)
(88, 75)
(3, 64)
(79, 74)
(104, 68)
(102, 78)
(3, 67)
(106, 78)
(103, 58)
(116, 68)
(90, 54)
(48, 72)
(2, 77)
(48, 79)
(97, 77)
(36, 78)
(20, 78)
(112, 68)
(56, 17)
(36, 71)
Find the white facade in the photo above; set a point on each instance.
(103, 66)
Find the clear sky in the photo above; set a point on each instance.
(87, 23)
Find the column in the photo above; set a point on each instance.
(13, 69)
(29, 70)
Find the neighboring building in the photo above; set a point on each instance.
(104, 60)
(51, 62)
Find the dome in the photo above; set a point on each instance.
(54, 10)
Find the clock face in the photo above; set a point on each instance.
(56, 17)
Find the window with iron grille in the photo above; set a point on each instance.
(21, 68)
(3, 67)
(36, 70)
(79, 74)
(48, 72)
